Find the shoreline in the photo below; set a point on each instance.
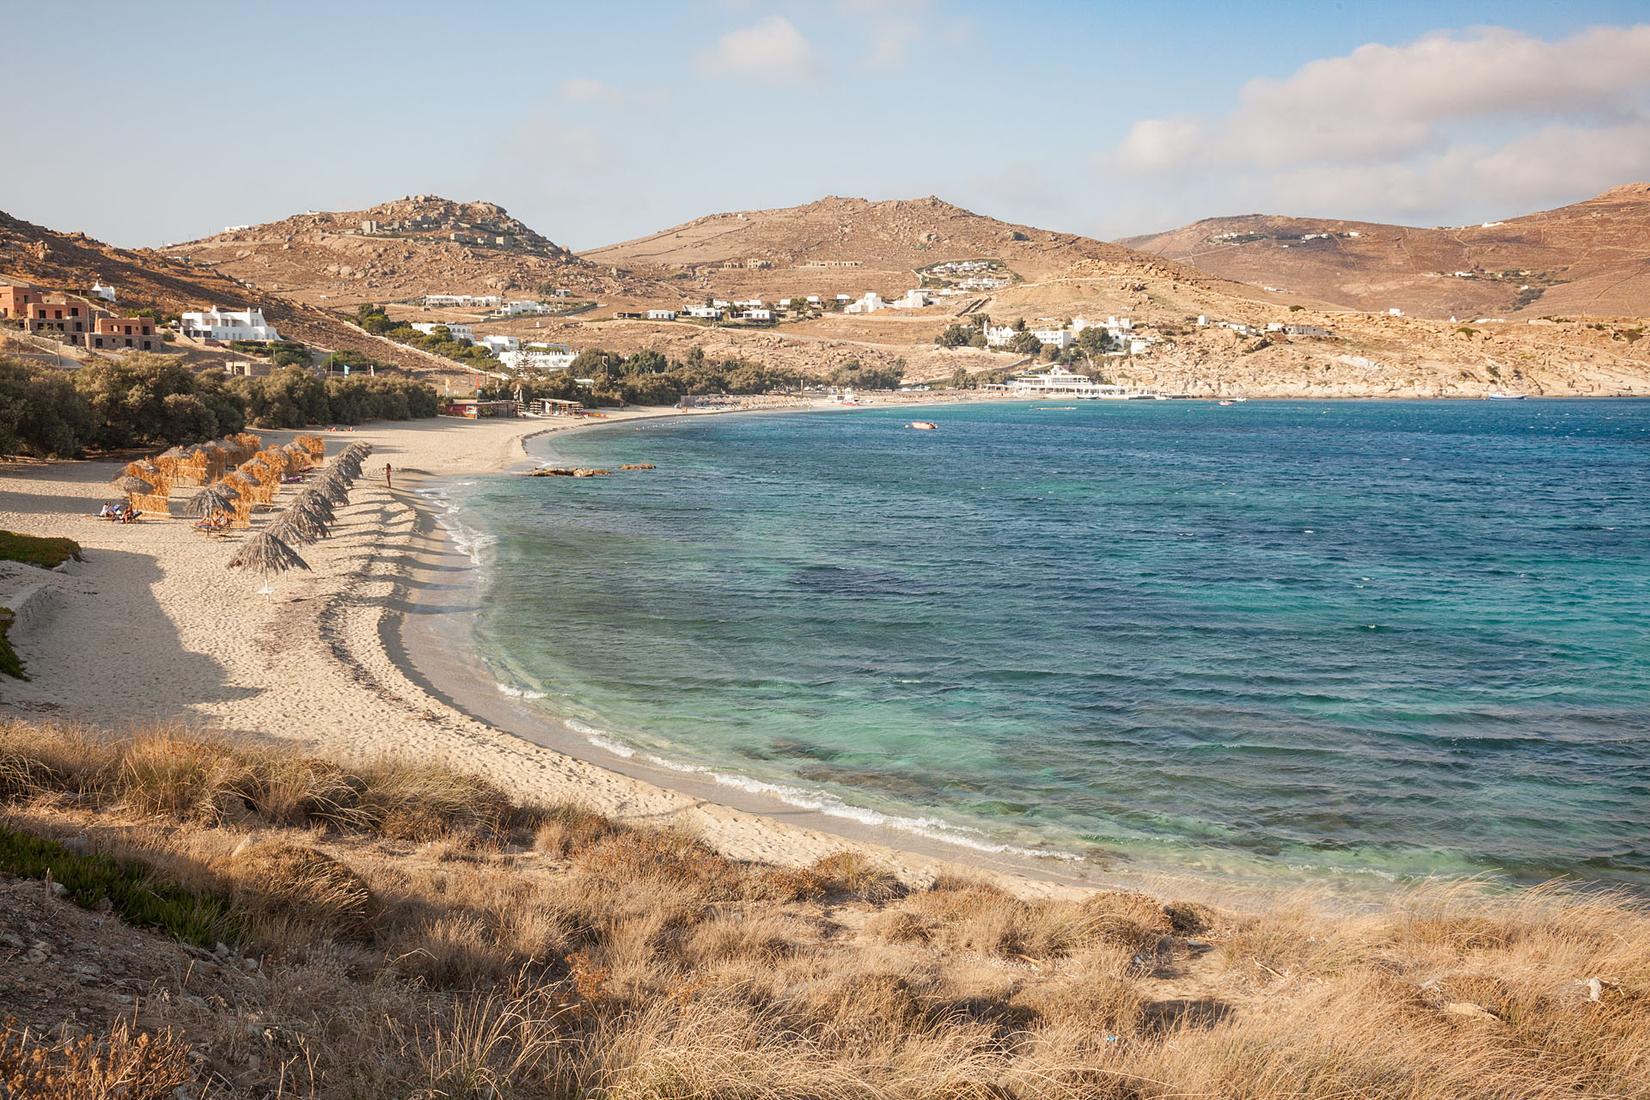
(372, 655)
(434, 640)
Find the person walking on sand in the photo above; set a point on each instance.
(387, 484)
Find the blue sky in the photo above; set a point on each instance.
(599, 122)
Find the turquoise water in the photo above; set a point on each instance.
(1358, 638)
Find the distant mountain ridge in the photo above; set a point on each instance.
(1589, 258)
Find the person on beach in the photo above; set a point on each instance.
(387, 484)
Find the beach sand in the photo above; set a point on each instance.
(365, 656)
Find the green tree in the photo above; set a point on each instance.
(41, 412)
(1024, 343)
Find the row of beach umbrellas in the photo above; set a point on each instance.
(306, 520)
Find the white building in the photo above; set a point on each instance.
(750, 303)
(870, 303)
(459, 332)
(915, 298)
(99, 290)
(720, 303)
(708, 313)
(227, 324)
(813, 300)
(498, 343)
(461, 301)
(545, 357)
(1059, 337)
(756, 315)
(1057, 381)
(1395, 312)
(661, 315)
(523, 309)
(999, 336)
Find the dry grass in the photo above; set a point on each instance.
(123, 1065)
(513, 954)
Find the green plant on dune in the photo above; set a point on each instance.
(34, 550)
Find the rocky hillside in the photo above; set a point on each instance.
(1591, 258)
(420, 244)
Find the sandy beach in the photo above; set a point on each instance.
(366, 655)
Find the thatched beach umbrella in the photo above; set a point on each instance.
(313, 502)
(132, 485)
(332, 489)
(210, 501)
(297, 525)
(268, 556)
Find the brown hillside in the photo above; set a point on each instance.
(1591, 258)
(782, 250)
(421, 244)
(145, 277)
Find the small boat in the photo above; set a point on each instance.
(1505, 396)
(1225, 404)
(923, 425)
(1056, 408)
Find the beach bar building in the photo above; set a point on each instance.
(476, 409)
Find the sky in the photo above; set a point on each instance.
(595, 123)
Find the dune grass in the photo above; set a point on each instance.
(430, 938)
(47, 553)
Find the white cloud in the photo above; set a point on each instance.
(1491, 117)
(772, 50)
(1381, 102)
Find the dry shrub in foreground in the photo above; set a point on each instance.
(124, 1065)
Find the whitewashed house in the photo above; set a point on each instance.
(999, 336)
(915, 298)
(458, 332)
(661, 315)
(708, 313)
(814, 300)
(227, 324)
(756, 315)
(545, 357)
(100, 290)
(1059, 337)
(523, 309)
(870, 303)
(498, 343)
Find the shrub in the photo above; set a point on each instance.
(274, 881)
(48, 553)
(125, 1065)
(41, 412)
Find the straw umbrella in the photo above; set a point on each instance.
(297, 525)
(210, 501)
(332, 488)
(314, 503)
(268, 556)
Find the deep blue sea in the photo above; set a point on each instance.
(1378, 639)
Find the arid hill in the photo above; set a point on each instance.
(146, 278)
(421, 244)
(846, 245)
(1591, 259)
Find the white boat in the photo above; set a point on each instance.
(1505, 396)
(923, 425)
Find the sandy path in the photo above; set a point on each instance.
(152, 627)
